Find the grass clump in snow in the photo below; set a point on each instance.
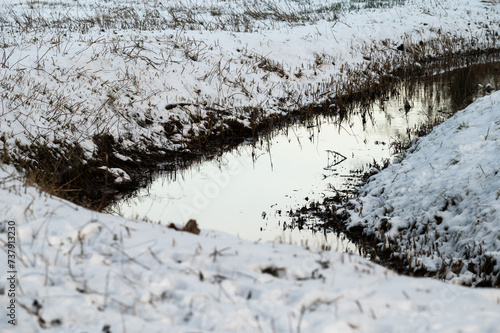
(63, 170)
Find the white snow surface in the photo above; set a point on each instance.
(82, 271)
(119, 175)
(441, 202)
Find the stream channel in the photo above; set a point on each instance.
(250, 190)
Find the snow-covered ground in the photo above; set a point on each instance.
(82, 271)
(439, 207)
(153, 75)
(72, 70)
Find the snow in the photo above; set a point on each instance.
(119, 174)
(79, 270)
(443, 196)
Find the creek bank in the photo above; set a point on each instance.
(156, 89)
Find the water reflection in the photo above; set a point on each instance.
(250, 190)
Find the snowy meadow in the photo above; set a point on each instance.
(93, 93)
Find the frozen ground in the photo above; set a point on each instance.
(439, 207)
(73, 70)
(82, 271)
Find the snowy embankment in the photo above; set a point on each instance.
(438, 208)
(79, 270)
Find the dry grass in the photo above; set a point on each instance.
(235, 15)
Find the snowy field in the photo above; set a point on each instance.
(155, 75)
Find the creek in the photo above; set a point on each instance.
(250, 190)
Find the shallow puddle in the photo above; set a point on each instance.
(249, 191)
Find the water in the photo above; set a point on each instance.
(250, 190)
